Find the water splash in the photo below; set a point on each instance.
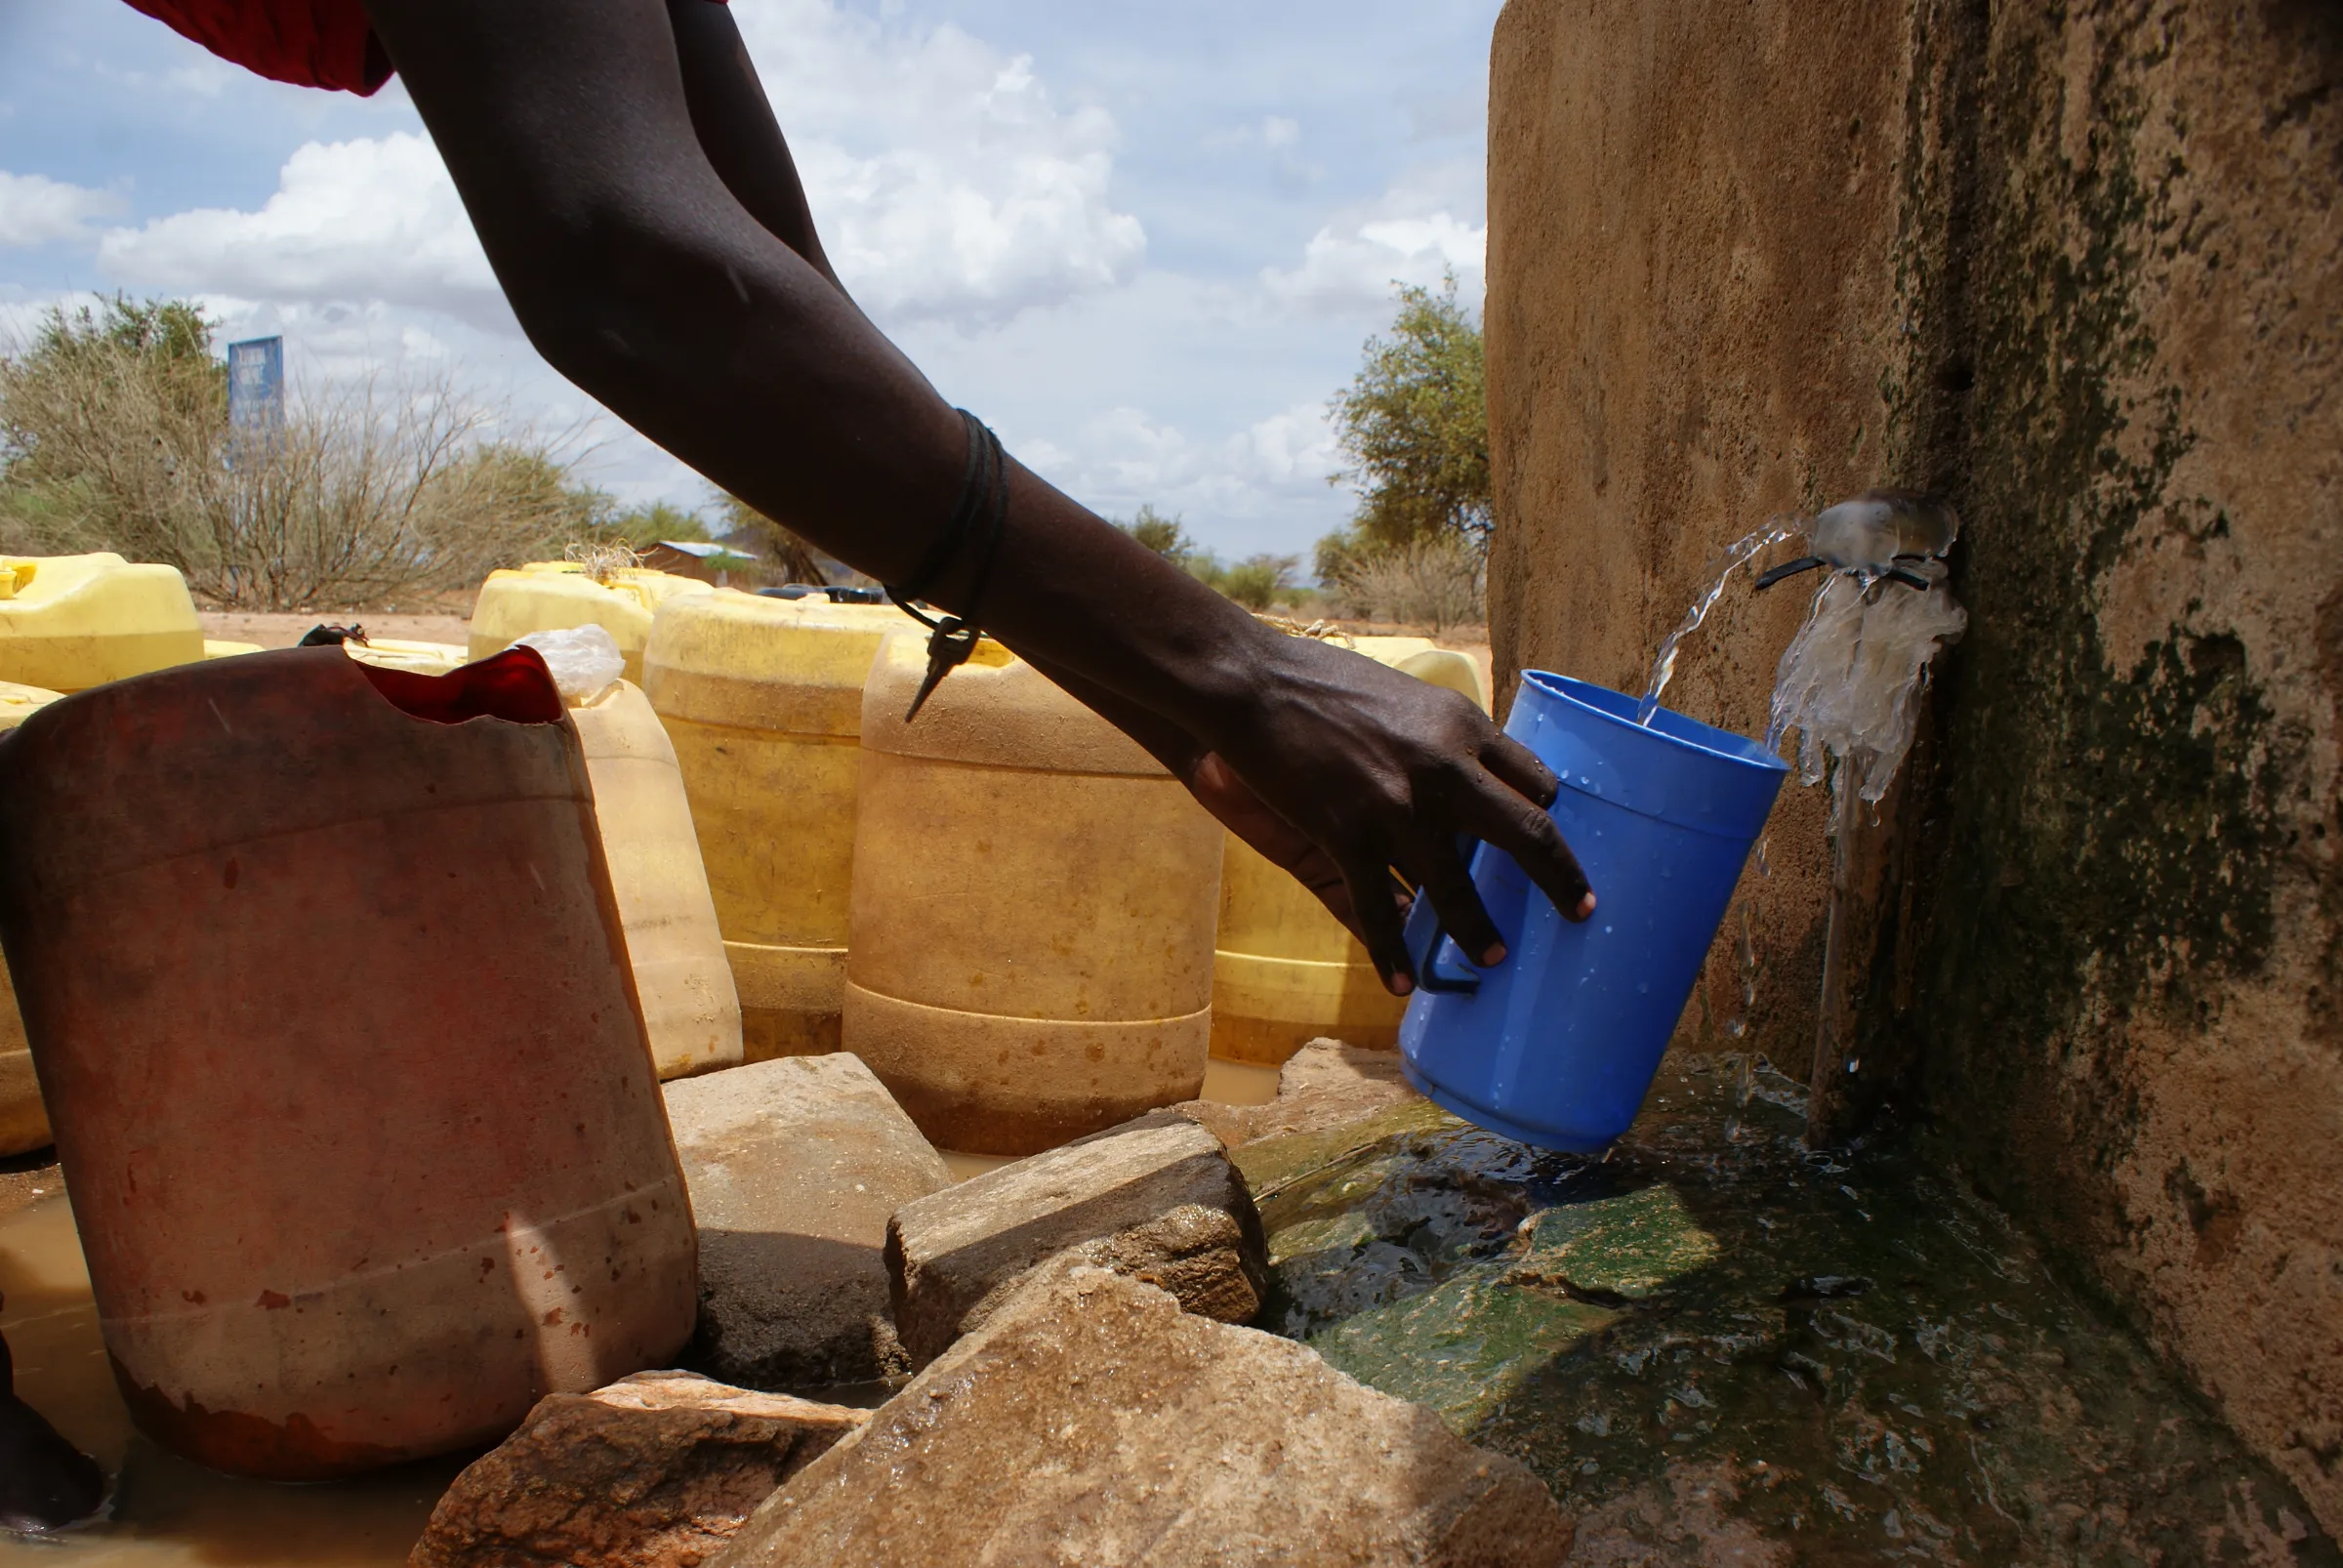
(1850, 684)
(1850, 681)
(1736, 556)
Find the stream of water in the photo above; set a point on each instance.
(1736, 556)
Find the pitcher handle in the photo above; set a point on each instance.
(1422, 936)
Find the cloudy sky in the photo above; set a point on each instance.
(1145, 241)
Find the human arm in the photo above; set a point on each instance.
(641, 275)
(736, 129)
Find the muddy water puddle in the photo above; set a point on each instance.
(168, 1513)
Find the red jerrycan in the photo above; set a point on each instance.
(327, 995)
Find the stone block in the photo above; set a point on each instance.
(1091, 1421)
(658, 1470)
(794, 1167)
(1155, 1198)
(1327, 1084)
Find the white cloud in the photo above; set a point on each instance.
(369, 221)
(1354, 264)
(1296, 445)
(36, 210)
(1127, 457)
(944, 182)
(1277, 140)
(912, 238)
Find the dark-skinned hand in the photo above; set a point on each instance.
(1363, 770)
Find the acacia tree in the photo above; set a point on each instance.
(1414, 425)
(780, 547)
(1167, 537)
(115, 436)
(1257, 582)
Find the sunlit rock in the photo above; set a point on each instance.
(1091, 1421)
(795, 1166)
(658, 1470)
(1155, 1199)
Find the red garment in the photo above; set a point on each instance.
(514, 685)
(310, 43)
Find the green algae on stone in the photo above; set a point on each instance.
(1384, 1208)
(1339, 1265)
(1828, 1356)
(1630, 1246)
(1468, 1344)
(1344, 1233)
(1275, 1163)
(1464, 1347)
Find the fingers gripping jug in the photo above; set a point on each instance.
(1557, 1045)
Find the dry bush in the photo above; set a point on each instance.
(117, 437)
(1438, 582)
(781, 554)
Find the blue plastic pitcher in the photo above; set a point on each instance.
(1559, 1044)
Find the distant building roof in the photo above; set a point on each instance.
(704, 550)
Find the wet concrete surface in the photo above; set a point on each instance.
(1717, 1345)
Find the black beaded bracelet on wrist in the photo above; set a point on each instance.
(978, 521)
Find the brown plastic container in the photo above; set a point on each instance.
(23, 1124)
(337, 1032)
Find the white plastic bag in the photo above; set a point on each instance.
(584, 659)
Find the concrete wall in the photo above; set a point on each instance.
(2080, 267)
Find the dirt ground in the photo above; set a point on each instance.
(283, 631)
(25, 1178)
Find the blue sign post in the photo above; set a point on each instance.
(255, 389)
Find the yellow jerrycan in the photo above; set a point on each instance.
(762, 699)
(383, 652)
(1286, 971)
(24, 1123)
(554, 596)
(1031, 923)
(689, 1007)
(398, 653)
(682, 984)
(68, 623)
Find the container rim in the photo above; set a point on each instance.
(1737, 748)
